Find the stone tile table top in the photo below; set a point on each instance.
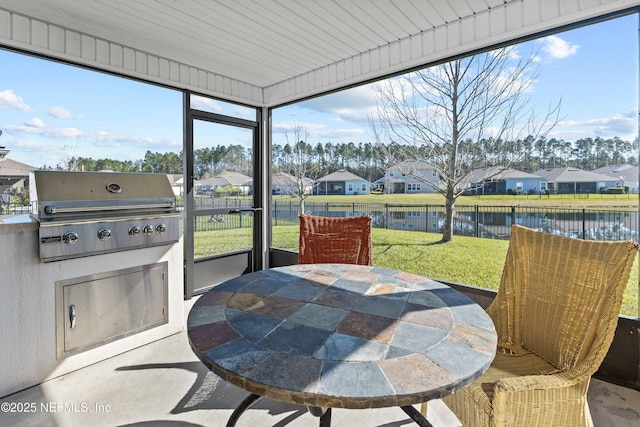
(341, 336)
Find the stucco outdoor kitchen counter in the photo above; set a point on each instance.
(17, 223)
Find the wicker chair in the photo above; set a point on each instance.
(335, 240)
(555, 314)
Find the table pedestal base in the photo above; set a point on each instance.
(323, 413)
(416, 416)
(243, 406)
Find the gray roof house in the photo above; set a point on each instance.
(283, 183)
(410, 177)
(226, 179)
(570, 180)
(626, 174)
(177, 183)
(13, 174)
(341, 182)
(499, 180)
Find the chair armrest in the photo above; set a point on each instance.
(532, 399)
(538, 382)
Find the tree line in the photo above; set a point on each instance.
(366, 161)
(369, 162)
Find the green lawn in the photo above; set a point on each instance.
(467, 260)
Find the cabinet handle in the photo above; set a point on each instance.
(72, 316)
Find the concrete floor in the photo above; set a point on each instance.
(164, 384)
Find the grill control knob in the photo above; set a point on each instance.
(70, 238)
(161, 228)
(147, 229)
(134, 231)
(104, 234)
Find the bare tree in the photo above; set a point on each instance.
(450, 115)
(68, 158)
(298, 165)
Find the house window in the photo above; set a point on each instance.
(363, 188)
(350, 188)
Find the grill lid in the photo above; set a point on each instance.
(64, 195)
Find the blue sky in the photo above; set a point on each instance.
(50, 112)
(593, 70)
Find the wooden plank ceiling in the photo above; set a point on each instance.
(281, 49)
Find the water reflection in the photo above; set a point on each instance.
(494, 221)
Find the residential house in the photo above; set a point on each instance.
(283, 183)
(341, 182)
(14, 175)
(229, 180)
(568, 180)
(410, 177)
(177, 183)
(627, 175)
(501, 180)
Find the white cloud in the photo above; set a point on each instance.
(316, 130)
(32, 152)
(36, 122)
(558, 48)
(11, 100)
(624, 126)
(33, 146)
(62, 113)
(249, 113)
(54, 133)
(205, 104)
(98, 139)
(340, 133)
(512, 52)
(352, 105)
(284, 127)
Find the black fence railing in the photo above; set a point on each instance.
(11, 208)
(479, 221)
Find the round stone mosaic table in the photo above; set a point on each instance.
(341, 336)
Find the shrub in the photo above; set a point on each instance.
(613, 190)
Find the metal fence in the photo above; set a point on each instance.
(479, 221)
(10, 208)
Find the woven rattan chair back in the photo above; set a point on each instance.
(335, 240)
(560, 297)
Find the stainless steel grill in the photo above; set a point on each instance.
(90, 213)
